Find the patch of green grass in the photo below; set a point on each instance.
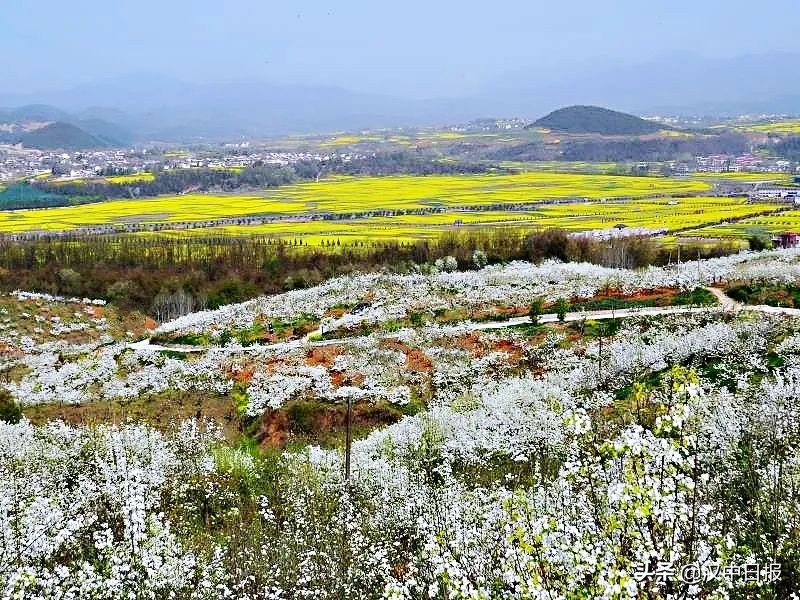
(772, 295)
(698, 296)
(188, 339)
(173, 354)
(611, 304)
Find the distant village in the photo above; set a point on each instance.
(17, 163)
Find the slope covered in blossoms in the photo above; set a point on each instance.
(515, 284)
(650, 457)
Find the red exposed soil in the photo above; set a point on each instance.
(244, 375)
(644, 294)
(473, 343)
(274, 432)
(416, 360)
(323, 355)
(351, 378)
(95, 311)
(470, 342)
(515, 352)
(8, 351)
(319, 421)
(608, 293)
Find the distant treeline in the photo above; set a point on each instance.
(259, 176)
(174, 181)
(788, 148)
(24, 195)
(397, 163)
(136, 272)
(620, 150)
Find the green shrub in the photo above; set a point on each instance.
(10, 411)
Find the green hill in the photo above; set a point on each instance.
(594, 119)
(62, 136)
(113, 134)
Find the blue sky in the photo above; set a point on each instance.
(415, 48)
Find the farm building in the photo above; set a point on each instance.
(787, 239)
(775, 193)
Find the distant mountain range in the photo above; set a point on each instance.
(146, 107)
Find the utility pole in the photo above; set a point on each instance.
(348, 439)
(600, 357)
(699, 273)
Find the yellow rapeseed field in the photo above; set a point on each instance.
(135, 178)
(788, 221)
(786, 127)
(670, 214)
(745, 177)
(357, 194)
(352, 195)
(163, 209)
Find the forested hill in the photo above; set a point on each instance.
(594, 119)
(62, 136)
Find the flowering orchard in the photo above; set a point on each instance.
(381, 297)
(644, 458)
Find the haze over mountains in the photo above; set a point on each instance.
(144, 106)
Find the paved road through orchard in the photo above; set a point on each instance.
(726, 304)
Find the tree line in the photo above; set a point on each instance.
(635, 149)
(192, 273)
(259, 175)
(789, 148)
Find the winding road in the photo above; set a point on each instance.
(726, 304)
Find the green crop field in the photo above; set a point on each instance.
(345, 195)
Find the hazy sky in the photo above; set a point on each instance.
(416, 48)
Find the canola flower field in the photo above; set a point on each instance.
(785, 127)
(787, 221)
(688, 212)
(351, 194)
(422, 137)
(348, 195)
(134, 178)
(746, 177)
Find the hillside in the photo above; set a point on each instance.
(62, 136)
(32, 112)
(594, 119)
(248, 446)
(107, 131)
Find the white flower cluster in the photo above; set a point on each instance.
(514, 284)
(96, 375)
(92, 494)
(273, 390)
(21, 295)
(477, 497)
